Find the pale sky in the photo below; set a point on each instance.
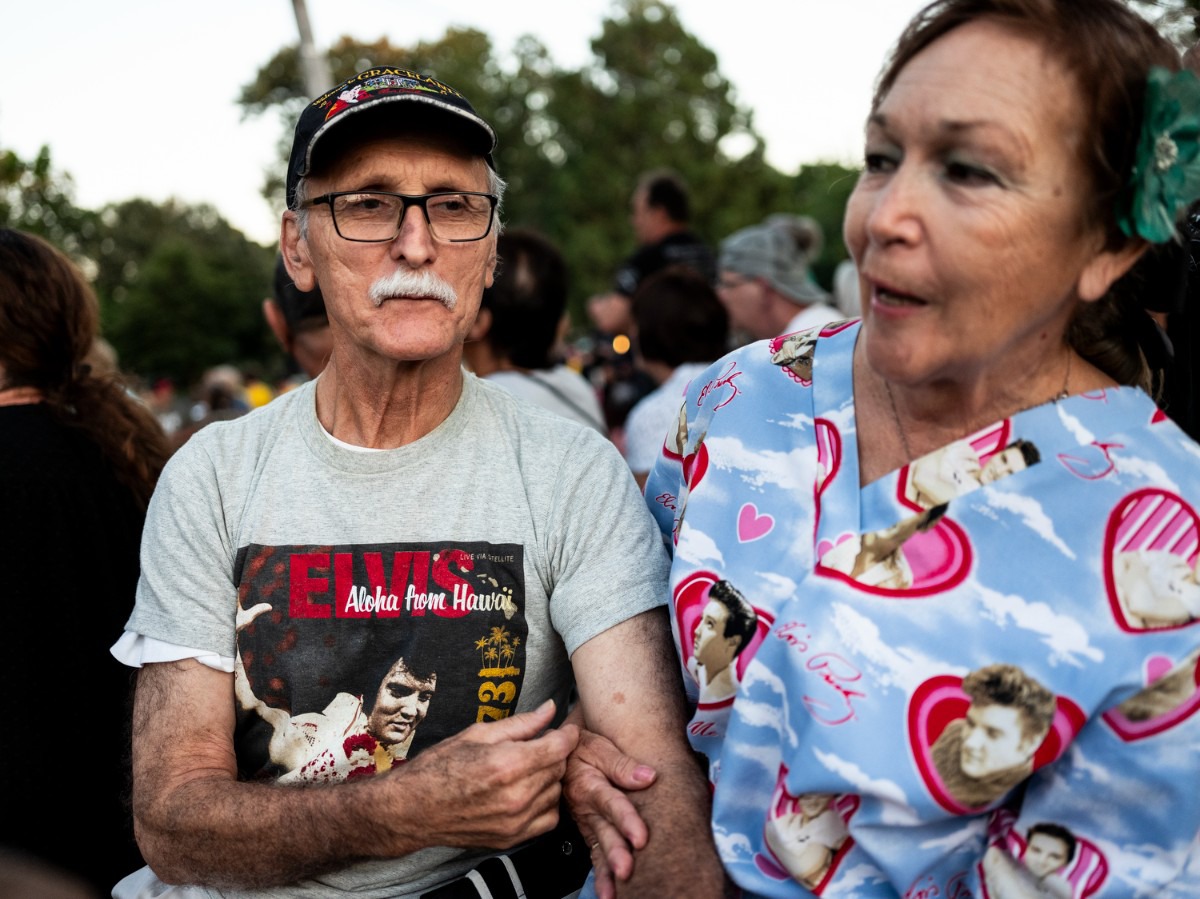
(137, 98)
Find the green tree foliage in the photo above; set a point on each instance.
(572, 143)
(181, 291)
(36, 198)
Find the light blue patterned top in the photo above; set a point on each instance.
(945, 658)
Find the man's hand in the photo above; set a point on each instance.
(494, 785)
(597, 773)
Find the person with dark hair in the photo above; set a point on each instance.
(680, 328)
(299, 321)
(1021, 156)
(765, 278)
(397, 504)
(660, 215)
(957, 469)
(725, 629)
(520, 325)
(79, 459)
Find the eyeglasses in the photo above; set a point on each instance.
(374, 216)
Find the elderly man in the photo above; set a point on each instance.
(397, 501)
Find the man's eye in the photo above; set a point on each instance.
(366, 203)
(450, 205)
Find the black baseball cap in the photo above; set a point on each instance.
(389, 88)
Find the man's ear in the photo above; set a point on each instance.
(294, 249)
(483, 324)
(278, 324)
(490, 275)
(1107, 267)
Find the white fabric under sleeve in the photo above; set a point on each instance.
(135, 650)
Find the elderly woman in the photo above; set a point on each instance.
(1021, 155)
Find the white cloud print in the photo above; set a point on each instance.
(1066, 637)
(696, 547)
(895, 808)
(891, 666)
(793, 470)
(1030, 512)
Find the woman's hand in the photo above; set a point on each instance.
(597, 775)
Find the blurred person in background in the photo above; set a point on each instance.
(518, 331)
(765, 278)
(79, 458)
(680, 327)
(220, 396)
(299, 322)
(845, 289)
(660, 213)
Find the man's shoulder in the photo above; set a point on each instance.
(248, 432)
(501, 408)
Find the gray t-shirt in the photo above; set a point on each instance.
(484, 553)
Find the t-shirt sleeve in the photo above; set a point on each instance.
(608, 562)
(186, 593)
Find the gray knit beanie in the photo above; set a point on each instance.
(779, 250)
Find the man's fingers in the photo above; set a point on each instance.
(523, 726)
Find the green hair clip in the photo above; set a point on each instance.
(1166, 172)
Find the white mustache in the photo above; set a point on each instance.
(425, 283)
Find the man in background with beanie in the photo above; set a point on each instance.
(398, 501)
(765, 281)
(299, 322)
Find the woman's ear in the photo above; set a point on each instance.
(1107, 267)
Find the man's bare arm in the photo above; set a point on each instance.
(630, 692)
(493, 785)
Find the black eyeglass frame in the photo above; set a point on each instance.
(406, 200)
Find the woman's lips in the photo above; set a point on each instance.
(886, 295)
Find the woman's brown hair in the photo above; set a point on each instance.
(49, 323)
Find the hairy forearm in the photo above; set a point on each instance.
(223, 833)
(490, 786)
(680, 851)
(196, 823)
(640, 706)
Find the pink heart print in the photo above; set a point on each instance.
(752, 525)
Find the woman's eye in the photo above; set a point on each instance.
(962, 173)
(879, 162)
